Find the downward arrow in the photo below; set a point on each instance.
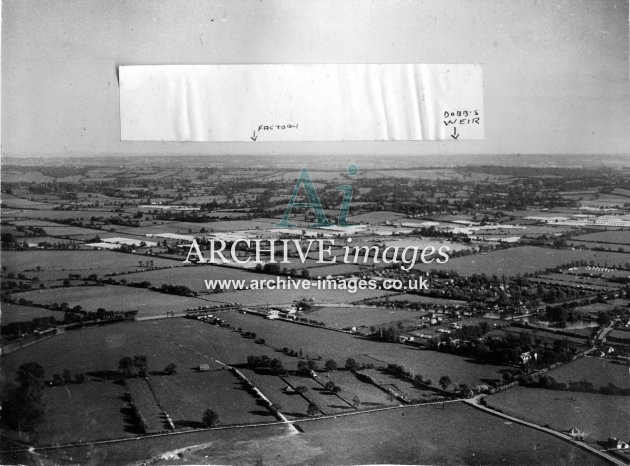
(455, 134)
(254, 137)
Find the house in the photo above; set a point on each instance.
(203, 367)
(613, 442)
(575, 433)
(525, 357)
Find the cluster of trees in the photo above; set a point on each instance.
(22, 405)
(389, 333)
(210, 418)
(179, 290)
(130, 367)
(507, 349)
(250, 335)
(399, 370)
(304, 367)
(274, 365)
(275, 269)
(38, 323)
(472, 332)
(332, 387)
(547, 381)
(75, 315)
(291, 352)
(66, 377)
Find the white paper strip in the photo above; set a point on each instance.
(255, 103)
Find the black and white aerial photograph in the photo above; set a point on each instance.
(316, 232)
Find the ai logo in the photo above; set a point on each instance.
(313, 201)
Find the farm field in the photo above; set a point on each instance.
(83, 262)
(186, 397)
(16, 313)
(144, 401)
(570, 278)
(333, 270)
(185, 342)
(48, 239)
(424, 432)
(193, 276)
(327, 402)
(585, 283)
(13, 202)
(342, 317)
(66, 230)
(616, 247)
(600, 416)
(45, 212)
(547, 336)
(526, 259)
(339, 346)
(622, 336)
(620, 236)
(428, 300)
(271, 297)
(210, 227)
(369, 395)
(92, 409)
(598, 371)
(293, 405)
(188, 343)
(422, 243)
(113, 298)
(601, 271)
(400, 386)
(375, 218)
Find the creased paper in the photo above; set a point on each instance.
(301, 102)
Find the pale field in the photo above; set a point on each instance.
(113, 298)
(58, 264)
(341, 317)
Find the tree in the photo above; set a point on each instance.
(30, 374)
(210, 418)
(276, 366)
(603, 318)
(23, 407)
(330, 365)
(312, 410)
(312, 365)
(301, 389)
(465, 390)
(356, 401)
(140, 363)
(125, 365)
(331, 387)
(170, 369)
(445, 382)
(57, 379)
(351, 364)
(302, 368)
(67, 376)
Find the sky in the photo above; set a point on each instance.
(556, 73)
